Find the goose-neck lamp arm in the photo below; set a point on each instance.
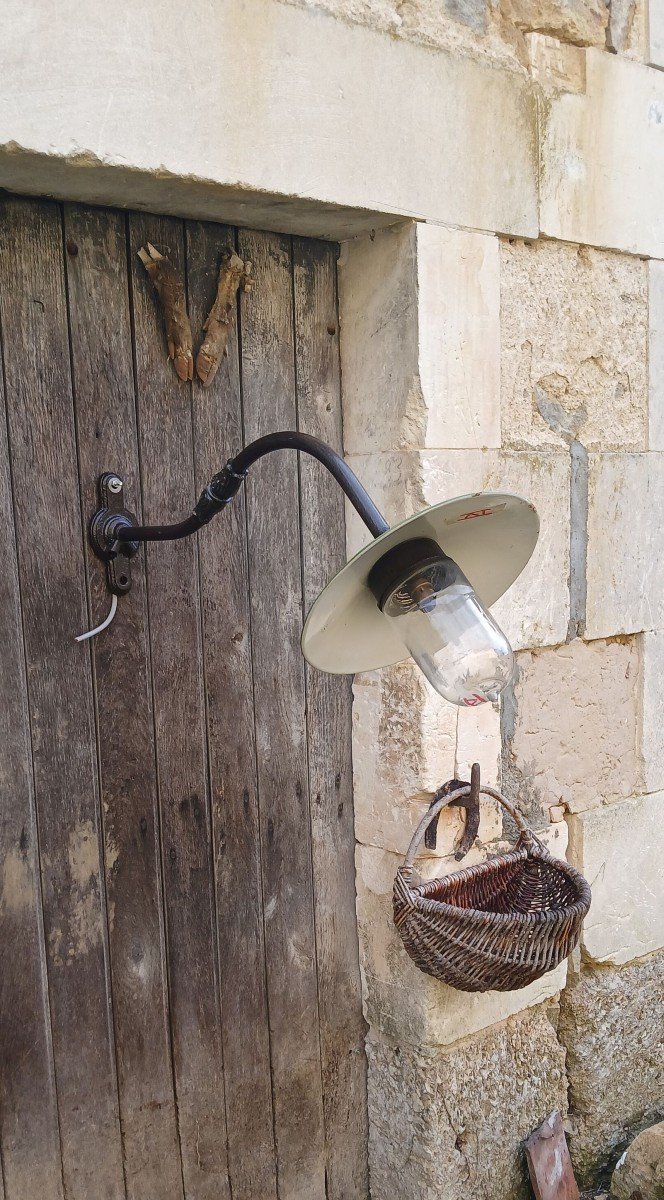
(402, 595)
(223, 486)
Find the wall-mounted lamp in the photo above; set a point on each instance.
(421, 588)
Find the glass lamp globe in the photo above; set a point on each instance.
(442, 623)
(423, 590)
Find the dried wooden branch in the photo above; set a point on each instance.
(170, 290)
(233, 274)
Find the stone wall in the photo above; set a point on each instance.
(472, 360)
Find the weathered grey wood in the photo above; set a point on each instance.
(52, 581)
(211, 739)
(165, 438)
(29, 1128)
(102, 362)
(329, 698)
(276, 615)
(232, 754)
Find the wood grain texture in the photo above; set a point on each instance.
(182, 1020)
(232, 754)
(276, 620)
(102, 362)
(165, 438)
(29, 1134)
(329, 698)
(52, 580)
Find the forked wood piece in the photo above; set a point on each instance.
(234, 273)
(170, 290)
(549, 1162)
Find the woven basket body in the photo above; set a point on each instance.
(496, 926)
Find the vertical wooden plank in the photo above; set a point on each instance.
(165, 438)
(29, 1136)
(96, 260)
(276, 614)
(232, 754)
(342, 1026)
(52, 580)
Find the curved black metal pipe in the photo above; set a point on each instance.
(222, 488)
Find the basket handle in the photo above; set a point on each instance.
(432, 813)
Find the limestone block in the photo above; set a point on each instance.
(574, 734)
(408, 740)
(625, 544)
(403, 1004)
(535, 611)
(656, 354)
(652, 741)
(602, 155)
(459, 316)
(627, 29)
(446, 1124)
(471, 12)
(655, 53)
(582, 22)
(465, 26)
(640, 1170)
(574, 331)
(404, 741)
(95, 118)
(620, 850)
(611, 1026)
(420, 339)
(382, 398)
(479, 740)
(554, 65)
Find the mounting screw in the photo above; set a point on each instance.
(114, 484)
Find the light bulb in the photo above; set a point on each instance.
(443, 624)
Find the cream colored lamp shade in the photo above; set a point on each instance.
(490, 535)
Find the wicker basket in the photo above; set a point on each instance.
(496, 926)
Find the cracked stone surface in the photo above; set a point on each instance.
(574, 324)
(475, 28)
(448, 1124)
(611, 1026)
(618, 848)
(582, 752)
(627, 28)
(582, 22)
(625, 544)
(640, 1171)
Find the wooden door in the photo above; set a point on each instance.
(180, 1007)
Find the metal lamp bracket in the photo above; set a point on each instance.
(332, 640)
(111, 516)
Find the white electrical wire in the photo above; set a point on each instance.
(82, 637)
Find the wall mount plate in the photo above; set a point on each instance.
(110, 515)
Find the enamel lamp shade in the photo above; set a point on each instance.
(489, 535)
